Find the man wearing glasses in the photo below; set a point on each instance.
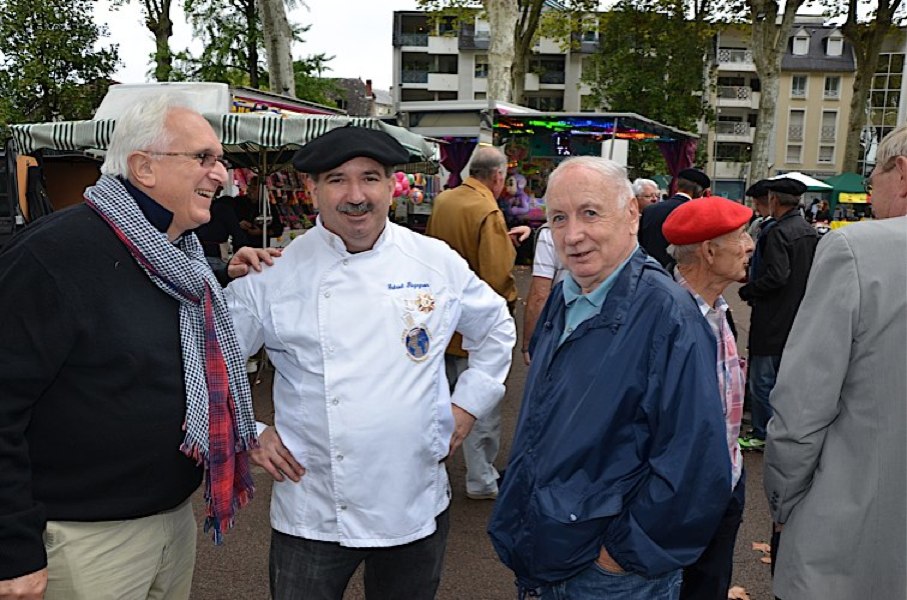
(835, 465)
(646, 193)
(122, 381)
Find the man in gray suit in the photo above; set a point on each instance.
(835, 468)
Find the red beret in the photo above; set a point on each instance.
(704, 219)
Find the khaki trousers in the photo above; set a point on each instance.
(140, 559)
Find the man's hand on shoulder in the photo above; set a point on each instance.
(272, 456)
(463, 422)
(519, 234)
(248, 258)
(26, 587)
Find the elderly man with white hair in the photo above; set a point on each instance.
(646, 193)
(619, 472)
(711, 246)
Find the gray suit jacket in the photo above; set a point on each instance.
(835, 469)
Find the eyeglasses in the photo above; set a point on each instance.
(205, 159)
(867, 185)
(867, 181)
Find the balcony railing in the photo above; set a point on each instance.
(414, 39)
(828, 133)
(734, 92)
(411, 76)
(735, 55)
(732, 128)
(795, 133)
(832, 94)
(552, 77)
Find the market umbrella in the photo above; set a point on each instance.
(847, 187)
(812, 184)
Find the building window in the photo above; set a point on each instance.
(590, 29)
(801, 44)
(546, 103)
(479, 96)
(826, 154)
(416, 95)
(832, 88)
(794, 152)
(795, 125)
(447, 95)
(732, 152)
(483, 29)
(835, 44)
(829, 126)
(798, 85)
(481, 71)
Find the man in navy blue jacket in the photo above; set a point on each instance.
(619, 472)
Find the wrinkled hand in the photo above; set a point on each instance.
(247, 258)
(519, 234)
(607, 563)
(27, 587)
(273, 457)
(463, 422)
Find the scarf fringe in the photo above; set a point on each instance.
(218, 526)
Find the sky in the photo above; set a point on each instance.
(356, 32)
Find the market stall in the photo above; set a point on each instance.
(262, 143)
(849, 201)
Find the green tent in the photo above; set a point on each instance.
(850, 185)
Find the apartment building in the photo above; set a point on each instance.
(441, 71)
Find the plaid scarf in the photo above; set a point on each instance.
(219, 425)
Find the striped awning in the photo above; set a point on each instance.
(238, 132)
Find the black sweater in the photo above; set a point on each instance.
(92, 400)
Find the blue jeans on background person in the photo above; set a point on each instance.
(763, 374)
(595, 583)
(303, 569)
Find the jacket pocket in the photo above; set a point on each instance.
(568, 527)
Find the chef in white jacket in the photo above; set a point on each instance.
(355, 317)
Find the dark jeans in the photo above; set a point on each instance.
(595, 583)
(710, 577)
(763, 374)
(302, 569)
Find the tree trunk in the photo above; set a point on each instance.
(252, 44)
(502, 20)
(157, 20)
(278, 37)
(769, 45)
(866, 40)
(530, 12)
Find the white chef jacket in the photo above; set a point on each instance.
(360, 394)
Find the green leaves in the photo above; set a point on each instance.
(49, 67)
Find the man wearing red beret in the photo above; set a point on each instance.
(711, 247)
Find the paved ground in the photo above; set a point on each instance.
(238, 569)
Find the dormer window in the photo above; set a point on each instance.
(801, 43)
(835, 44)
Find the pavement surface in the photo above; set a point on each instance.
(239, 568)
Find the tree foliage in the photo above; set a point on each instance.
(49, 67)
(866, 37)
(651, 61)
(157, 20)
(311, 84)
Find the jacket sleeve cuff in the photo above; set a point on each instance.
(22, 543)
(477, 393)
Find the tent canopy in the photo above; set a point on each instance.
(812, 184)
(847, 187)
(259, 141)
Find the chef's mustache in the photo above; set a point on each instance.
(349, 208)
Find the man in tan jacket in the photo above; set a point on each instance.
(469, 220)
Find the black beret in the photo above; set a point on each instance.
(758, 189)
(696, 176)
(345, 143)
(785, 185)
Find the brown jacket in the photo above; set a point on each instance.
(469, 220)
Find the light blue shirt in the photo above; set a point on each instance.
(583, 306)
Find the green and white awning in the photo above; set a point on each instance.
(238, 132)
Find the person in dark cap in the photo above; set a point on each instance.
(785, 254)
(759, 193)
(711, 246)
(356, 317)
(691, 183)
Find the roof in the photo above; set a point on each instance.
(816, 59)
(629, 126)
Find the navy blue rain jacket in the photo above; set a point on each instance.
(621, 438)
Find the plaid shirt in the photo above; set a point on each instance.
(731, 373)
